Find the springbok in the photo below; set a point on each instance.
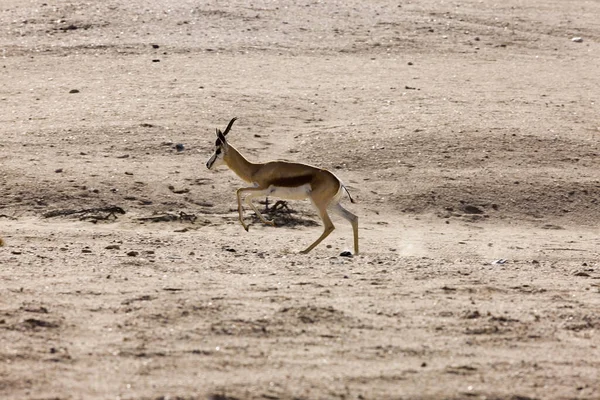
(285, 180)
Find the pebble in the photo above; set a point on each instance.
(577, 39)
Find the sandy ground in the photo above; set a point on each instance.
(467, 131)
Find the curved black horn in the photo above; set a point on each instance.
(229, 126)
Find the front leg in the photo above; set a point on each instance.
(240, 209)
(252, 192)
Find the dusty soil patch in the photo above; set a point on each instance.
(468, 133)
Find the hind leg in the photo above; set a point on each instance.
(353, 219)
(328, 226)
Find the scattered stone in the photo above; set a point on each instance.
(499, 262)
(178, 191)
(155, 46)
(553, 227)
(58, 170)
(113, 247)
(179, 147)
(35, 323)
(156, 60)
(132, 253)
(577, 39)
(86, 251)
(346, 254)
(470, 209)
(472, 314)
(73, 91)
(172, 289)
(581, 273)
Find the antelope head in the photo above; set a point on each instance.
(221, 147)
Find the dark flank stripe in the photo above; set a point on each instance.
(294, 181)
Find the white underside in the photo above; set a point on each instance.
(289, 193)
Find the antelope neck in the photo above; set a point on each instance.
(240, 165)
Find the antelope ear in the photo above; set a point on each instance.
(221, 137)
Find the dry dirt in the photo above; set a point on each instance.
(467, 131)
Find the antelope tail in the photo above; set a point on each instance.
(349, 196)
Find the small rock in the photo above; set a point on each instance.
(179, 147)
(155, 46)
(470, 209)
(472, 314)
(577, 39)
(73, 91)
(133, 253)
(156, 60)
(346, 254)
(86, 251)
(499, 262)
(58, 170)
(113, 247)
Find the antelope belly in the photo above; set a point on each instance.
(290, 193)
